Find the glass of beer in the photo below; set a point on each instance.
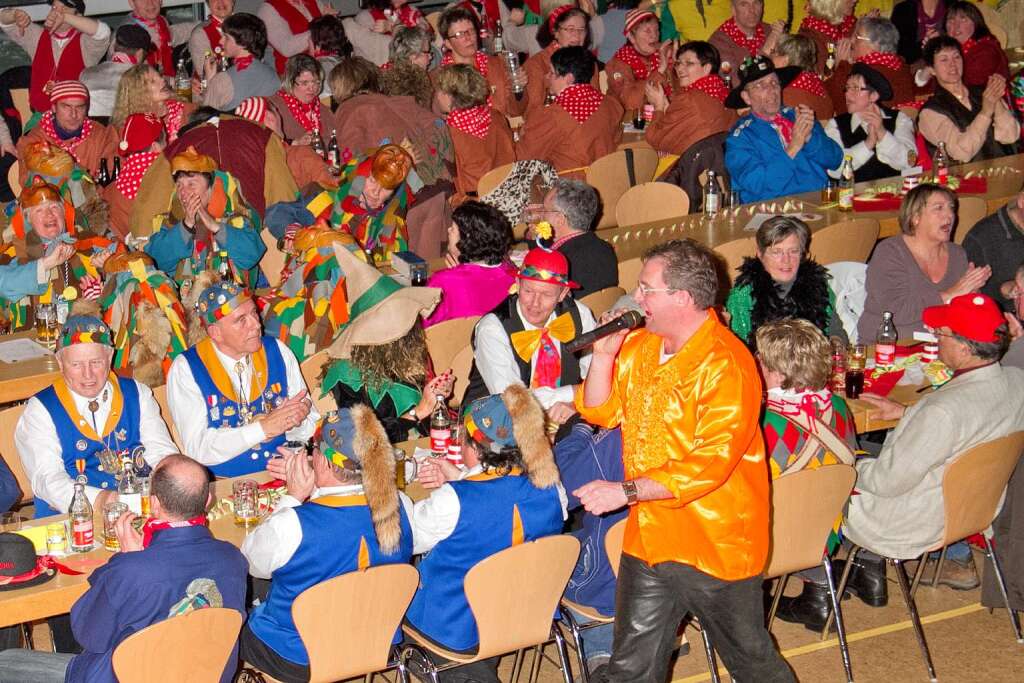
(46, 324)
(400, 461)
(245, 496)
(855, 370)
(111, 513)
(144, 497)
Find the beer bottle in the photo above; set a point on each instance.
(941, 164)
(117, 169)
(80, 515)
(846, 184)
(103, 177)
(333, 153)
(440, 428)
(885, 342)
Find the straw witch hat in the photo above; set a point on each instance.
(380, 309)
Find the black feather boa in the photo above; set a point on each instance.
(808, 298)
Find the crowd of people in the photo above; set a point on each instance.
(140, 233)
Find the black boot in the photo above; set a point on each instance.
(867, 580)
(811, 608)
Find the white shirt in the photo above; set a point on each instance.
(212, 446)
(40, 451)
(271, 545)
(496, 361)
(891, 149)
(435, 518)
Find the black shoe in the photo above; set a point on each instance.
(811, 608)
(867, 581)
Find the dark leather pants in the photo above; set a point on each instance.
(650, 603)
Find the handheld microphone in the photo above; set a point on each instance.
(627, 321)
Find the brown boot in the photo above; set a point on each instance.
(959, 576)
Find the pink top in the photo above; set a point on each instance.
(470, 289)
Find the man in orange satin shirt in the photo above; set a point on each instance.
(688, 395)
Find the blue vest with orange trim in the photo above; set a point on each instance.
(495, 513)
(222, 406)
(76, 433)
(337, 538)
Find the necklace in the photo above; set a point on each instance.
(244, 409)
(109, 462)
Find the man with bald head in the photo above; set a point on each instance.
(171, 567)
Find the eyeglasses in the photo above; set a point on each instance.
(313, 83)
(572, 30)
(864, 38)
(856, 88)
(779, 254)
(461, 34)
(645, 290)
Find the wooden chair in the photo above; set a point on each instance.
(160, 394)
(273, 259)
(970, 211)
(365, 608)
(191, 648)
(805, 505)
(651, 202)
(461, 365)
(611, 178)
(490, 180)
(629, 273)
(850, 240)
(600, 301)
(995, 23)
(446, 339)
(13, 173)
(972, 488)
(20, 98)
(9, 451)
(509, 620)
(311, 369)
(613, 549)
(733, 253)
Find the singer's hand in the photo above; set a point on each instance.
(611, 344)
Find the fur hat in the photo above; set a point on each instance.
(514, 419)
(355, 440)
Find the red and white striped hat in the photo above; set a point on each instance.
(634, 17)
(253, 109)
(68, 90)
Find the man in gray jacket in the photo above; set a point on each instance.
(899, 510)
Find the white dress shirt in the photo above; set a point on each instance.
(496, 361)
(212, 446)
(892, 149)
(39, 446)
(271, 545)
(435, 518)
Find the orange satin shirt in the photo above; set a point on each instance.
(692, 425)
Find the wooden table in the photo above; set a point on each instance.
(861, 411)
(19, 381)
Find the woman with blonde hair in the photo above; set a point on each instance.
(798, 54)
(828, 22)
(142, 90)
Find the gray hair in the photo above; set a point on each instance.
(778, 228)
(298, 65)
(577, 201)
(880, 32)
(407, 42)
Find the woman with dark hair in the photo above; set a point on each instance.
(697, 109)
(920, 267)
(983, 55)
(481, 136)
(245, 40)
(782, 282)
(918, 22)
(297, 104)
(330, 45)
(798, 54)
(566, 26)
(973, 122)
(479, 273)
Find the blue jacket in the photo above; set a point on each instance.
(135, 590)
(18, 280)
(583, 457)
(759, 167)
(9, 491)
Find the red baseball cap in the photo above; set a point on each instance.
(974, 316)
(544, 265)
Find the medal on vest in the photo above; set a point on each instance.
(245, 412)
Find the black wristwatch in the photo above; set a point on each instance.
(629, 488)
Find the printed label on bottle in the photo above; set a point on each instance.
(943, 175)
(846, 197)
(454, 452)
(439, 440)
(81, 533)
(885, 354)
(711, 203)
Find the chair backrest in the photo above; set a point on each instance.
(600, 301)
(847, 241)
(805, 506)
(160, 394)
(650, 202)
(490, 180)
(734, 252)
(629, 273)
(433, 19)
(191, 648)
(446, 339)
(9, 451)
(311, 369)
(347, 623)
(273, 259)
(911, 112)
(970, 211)
(973, 485)
(13, 174)
(461, 365)
(613, 544)
(512, 619)
(610, 177)
(994, 21)
(19, 96)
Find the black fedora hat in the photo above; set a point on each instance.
(873, 79)
(19, 566)
(754, 69)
